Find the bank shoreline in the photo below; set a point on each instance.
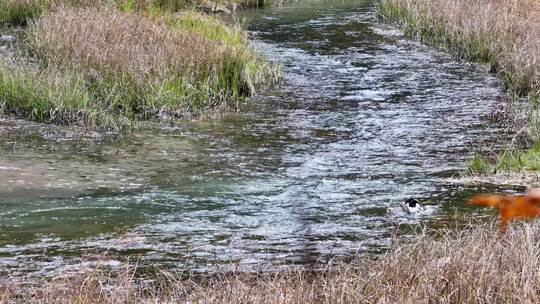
(501, 35)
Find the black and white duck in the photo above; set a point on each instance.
(412, 206)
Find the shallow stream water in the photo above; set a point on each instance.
(364, 119)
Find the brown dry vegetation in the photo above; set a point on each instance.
(473, 265)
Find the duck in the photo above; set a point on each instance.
(412, 206)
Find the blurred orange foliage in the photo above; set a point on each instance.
(511, 206)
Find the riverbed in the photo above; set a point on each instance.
(312, 169)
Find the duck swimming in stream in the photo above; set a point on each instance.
(412, 206)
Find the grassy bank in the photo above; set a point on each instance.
(104, 68)
(473, 265)
(505, 35)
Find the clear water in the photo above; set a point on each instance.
(312, 169)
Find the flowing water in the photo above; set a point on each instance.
(312, 169)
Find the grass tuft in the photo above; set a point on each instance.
(478, 165)
(48, 97)
(131, 67)
(19, 12)
(209, 27)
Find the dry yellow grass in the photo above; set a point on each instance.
(473, 265)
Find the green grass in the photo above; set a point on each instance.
(49, 96)
(149, 6)
(20, 12)
(478, 165)
(508, 161)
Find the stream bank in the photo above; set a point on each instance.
(503, 35)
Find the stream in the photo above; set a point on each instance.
(312, 169)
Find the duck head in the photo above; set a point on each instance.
(412, 202)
